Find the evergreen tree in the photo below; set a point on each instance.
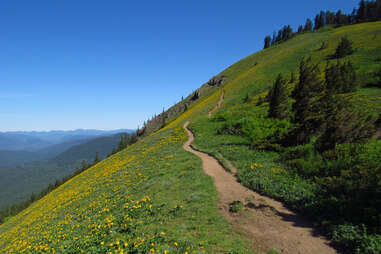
(300, 29)
(344, 48)
(317, 22)
(279, 99)
(330, 18)
(307, 93)
(362, 12)
(273, 39)
(267, 42)
(348, 78)
(338, 18)
(344, 125)
(308, 26)
(322, 19)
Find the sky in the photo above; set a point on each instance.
(97, 64)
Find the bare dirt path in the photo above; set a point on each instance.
(218, 105)
(265, 221)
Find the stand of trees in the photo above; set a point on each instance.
(367, 11)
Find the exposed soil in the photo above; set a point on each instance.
(218, 105)
(265, 221)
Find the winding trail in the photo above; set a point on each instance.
(265, 221)
(218, 105)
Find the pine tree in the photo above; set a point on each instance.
(273, 39)
(344, 125)
(344, 48)
(308, 26)
(306, 94)
(267, 42)
(317, 22)
(322, 19)
(362, 12)
(279, 99)
(300, 29)
(329, 18)
(348, 77)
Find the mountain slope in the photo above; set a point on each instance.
(153, 195)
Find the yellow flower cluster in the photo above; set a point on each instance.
(256, 165)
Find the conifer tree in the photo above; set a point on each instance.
(344, 48)
(300, 29)
(273, 39)
(267, 42)
(329, 18)
(306, 93)
(308, 26)
(362, 11)
(344, 125)
(322, 19)
(279, 99)
(317, 22)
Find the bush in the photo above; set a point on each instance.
(357, 239)
(221, 117)
(236, 206)
(255, 128)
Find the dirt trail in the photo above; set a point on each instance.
(266, 222)
(218, 105)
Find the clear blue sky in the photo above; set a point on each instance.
(112, 64)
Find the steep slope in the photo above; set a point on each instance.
(154, 195)
(241, 124)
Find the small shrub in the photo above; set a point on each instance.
(357, 239)
(221, 117)
(236, 206)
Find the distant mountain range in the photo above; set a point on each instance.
(25, 172)
(38, 140)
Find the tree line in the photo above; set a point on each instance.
(367, 11)
(125, 141)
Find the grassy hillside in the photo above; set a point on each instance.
(154, 195)
(297, 175)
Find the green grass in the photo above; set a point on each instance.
(92, 211)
